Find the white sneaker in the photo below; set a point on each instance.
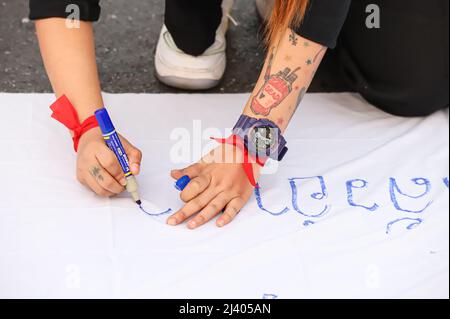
(178, 69)
(264, 8)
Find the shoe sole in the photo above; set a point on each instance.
(188, 84)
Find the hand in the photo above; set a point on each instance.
(218, 184)
(98, 167)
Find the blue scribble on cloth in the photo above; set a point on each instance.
(414, 222)
(393, 188)
(307, 223)
(446, 181)
(261, 206)
(155, 214)
(358, 183)
(269, 296)
(323, 194)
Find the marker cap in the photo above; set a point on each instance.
(182, 183)
(104, 121)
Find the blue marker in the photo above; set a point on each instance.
(113, 142)
(182, 183)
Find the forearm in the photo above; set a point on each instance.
(286, 76)
(69, 58)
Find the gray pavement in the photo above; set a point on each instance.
(126, 38)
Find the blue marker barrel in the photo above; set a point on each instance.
(182, 183)
(112, 140)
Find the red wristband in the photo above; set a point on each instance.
(247, 165)
(65, 113)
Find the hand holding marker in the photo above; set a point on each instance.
(112, 140)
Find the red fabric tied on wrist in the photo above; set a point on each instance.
(247, 165)
(65, 113)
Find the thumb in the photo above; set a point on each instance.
(134, 156)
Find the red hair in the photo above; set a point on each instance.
(285, 13)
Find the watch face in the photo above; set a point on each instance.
(263, 138)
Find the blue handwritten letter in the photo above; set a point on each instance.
(358, 183)
(394, 188)
(323, 194)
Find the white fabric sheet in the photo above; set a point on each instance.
(358, 209)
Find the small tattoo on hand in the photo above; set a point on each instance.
(95, 172)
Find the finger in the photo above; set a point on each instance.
(233, 208)
(195, 188)
(109, 162)
(104, 179)
(92, 183)
(194, 206)
(210, 211)
(191, 171)
(134, 156)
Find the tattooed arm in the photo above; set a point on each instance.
(219, 184)
(287, 74)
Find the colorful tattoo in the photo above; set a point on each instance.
(276, 88)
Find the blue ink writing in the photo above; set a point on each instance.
(323, 194)
(393, 188)
(358, 183)
(260, 205)
(155, 214)
(414, 222)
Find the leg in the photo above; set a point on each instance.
(193, 23)
(402, 67)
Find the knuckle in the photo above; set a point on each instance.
(200, 218)
(181, 215)
(138, 153)
(110, 161)
(214, 207)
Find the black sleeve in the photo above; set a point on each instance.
(323, 21)
(41, 9)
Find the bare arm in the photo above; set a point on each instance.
(69, 58)
(287, 74)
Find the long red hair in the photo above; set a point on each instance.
(285, 14)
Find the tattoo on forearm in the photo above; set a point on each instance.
(311, 61)
(293, 38)
(95, 172)
(276, 88)
(274, 91)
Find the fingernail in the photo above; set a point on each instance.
(172, 221)
(220, 223)
(135, 168)
(192, 224)
(123, 182)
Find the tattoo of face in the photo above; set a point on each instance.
(293, 38)
(275, 90)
